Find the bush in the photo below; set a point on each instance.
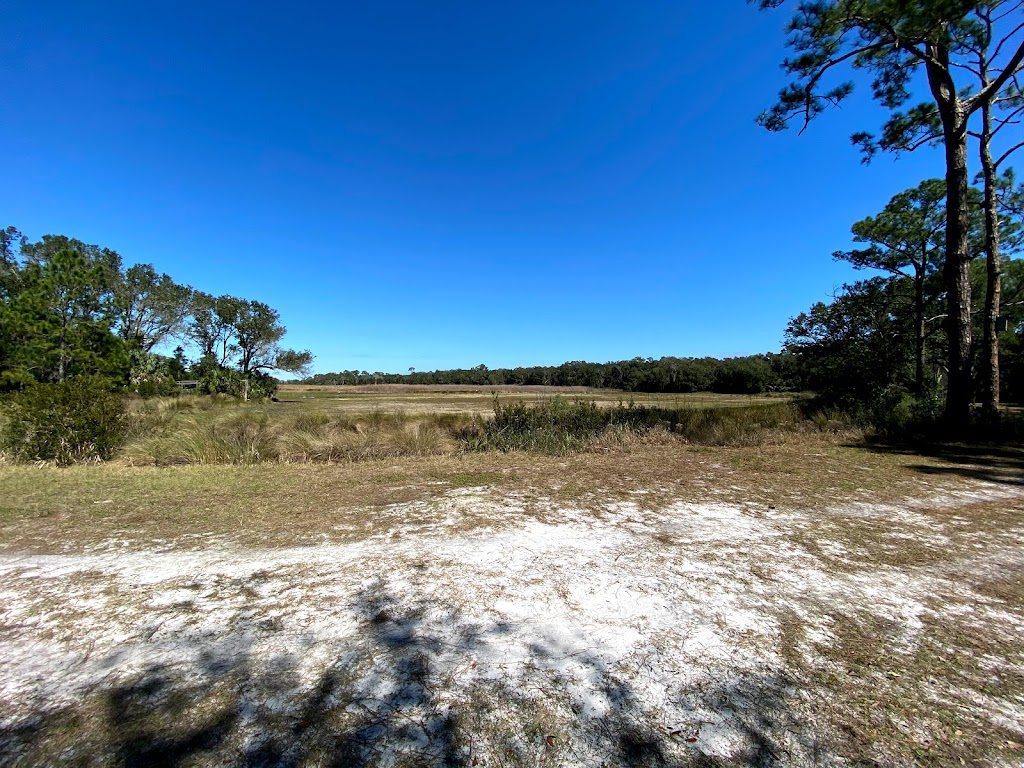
(554, 426)
(152, 375)
(558, 426)
(230, 382)
(79, 419)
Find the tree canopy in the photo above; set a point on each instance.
(71, 309)
(894, 42)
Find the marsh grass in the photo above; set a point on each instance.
(205, 430)
(559, 426)
(178, 431)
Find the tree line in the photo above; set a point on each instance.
(738, 375)
(881, 341)
(71, 309)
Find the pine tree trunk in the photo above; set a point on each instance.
(993, 287)
(957, 273)
(919, 329)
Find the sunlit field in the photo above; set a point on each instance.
(339, 578)
(480, 399)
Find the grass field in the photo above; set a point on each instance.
(464, 398)
(805, 599)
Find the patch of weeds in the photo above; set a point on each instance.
(558, 426)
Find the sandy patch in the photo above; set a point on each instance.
(617, 635)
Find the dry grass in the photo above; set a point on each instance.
(413, 398)
(174, 431)
(400, 389)
(45, 508)
(198, 430)
(837, 678)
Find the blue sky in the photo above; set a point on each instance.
(444, 184)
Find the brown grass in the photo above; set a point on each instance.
(415, 398)
(399, 389)
(874, 699)
(45, 508)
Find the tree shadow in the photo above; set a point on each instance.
(1003, 464)
(385, 700)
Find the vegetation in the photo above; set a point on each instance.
(201, 430)
(737, 375)
(970, 55)
(78, 419)
(78, 331)
(880, 340)
(70, 309)
(560, 426)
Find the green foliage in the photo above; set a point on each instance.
(893, 42)
(964, 57)
(55, 324)
(218, 380)
(68, 309)
(849, 351)
(906, 237)
(897, 412)
(228, 329)
(78, 419)
(148, 307)
(554, 426)
(559, 426)
(153, 375)
(738, 375)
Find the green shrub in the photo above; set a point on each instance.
(227, 381)
(79, 419)
(152, 375)
(156, 387)
(554, 426)
(558, 426)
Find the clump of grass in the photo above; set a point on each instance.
(193, 430)
(311, 422)
(193, 433)
(733, 426)
(244, 437)
(147, 416)
(380, 420)
(558, 426)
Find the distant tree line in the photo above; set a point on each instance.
(70, 309)
(736, 375)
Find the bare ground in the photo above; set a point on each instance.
(739, 618)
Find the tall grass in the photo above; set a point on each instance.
(560, 426)
(199, 431)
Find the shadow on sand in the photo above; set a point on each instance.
(1002, 464)
(381, 701)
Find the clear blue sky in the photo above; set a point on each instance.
(443, 184)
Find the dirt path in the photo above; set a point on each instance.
(710, 634)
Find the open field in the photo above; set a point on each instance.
(806, 600)
(463, 398)
(347, 427)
